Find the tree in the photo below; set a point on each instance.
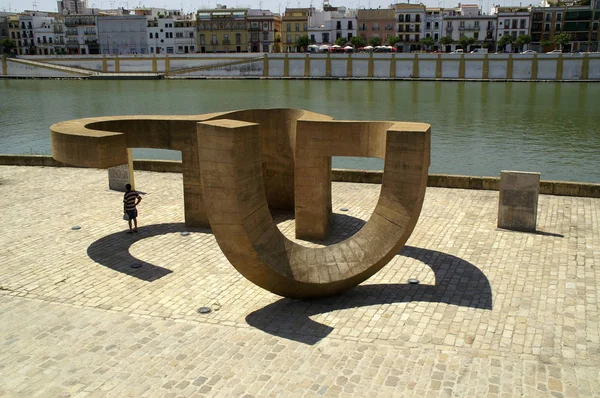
(465, 42)
(427, 42)
(393, 40)
(303, 42)
(340, 41)
(446, 41)
(8, 45)
(522, 40)
(375, 41)
(357, 41)
(563, 40)
(505, 41)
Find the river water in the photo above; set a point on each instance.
(477, 128)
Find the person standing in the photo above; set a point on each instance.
(130, 201)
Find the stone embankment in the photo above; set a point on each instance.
(561, 188)
(470, 67)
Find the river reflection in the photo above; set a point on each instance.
(477, 128)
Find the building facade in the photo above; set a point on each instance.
(376, 23)
(410, 25)
(264, 31)
(121, 34)
(433, 24)
(295, 25)
(222, 30)
(468, 21)
(81, 35)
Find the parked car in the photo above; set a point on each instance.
(528, 52)
(554, 52)
(457, 51)
(480, 51)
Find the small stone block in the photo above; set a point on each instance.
(517, 208)
(118, 177)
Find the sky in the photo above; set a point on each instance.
(273, 5)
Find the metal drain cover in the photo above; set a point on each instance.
(413, 281)
(344, 209)
(204, 310)
(136, 265)
(185, 233)
(76, 227)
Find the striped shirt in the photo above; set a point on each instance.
(129, 199)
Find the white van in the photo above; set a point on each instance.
(457, 51)
(480, 51)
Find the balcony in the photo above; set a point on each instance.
(225, 42)
(214, 42)
(468, 28)
(89, 32)
(448, 28)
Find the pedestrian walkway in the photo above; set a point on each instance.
(496, 313)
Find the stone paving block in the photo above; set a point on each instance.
(497, 312)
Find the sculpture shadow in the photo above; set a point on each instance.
(343, 226)
(458, 282)
(112, 251)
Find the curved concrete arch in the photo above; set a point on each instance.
(102, 142)
(232, 183)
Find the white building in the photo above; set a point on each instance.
(124, 34)
(467, 20)
(513, 21)
(320, 27)
(325, 27)
(81, 36)
(433, 24)
(343, 23)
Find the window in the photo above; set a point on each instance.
(363, 26)
(349, 36)
(557, 27)
(265, 36)
(462, 24)
(375, 26)
(476, 35)
(400, 18)
(325, 37)
(338, 35)
(476, 24)
(522, 23)
(559, 16)
(305, 27)
(428, 26)
(417, 18)
(179, 35)
(238, 38)
(547, 27)
(226, 39)
(388, 26)
(180, 49)
(435, 37)
(437, 25)
(350, 25)
(514, 23)
(151, 36)
(338, 25)
(289, 27)
(506, 23)
(297, 27)
(407, 19)
(214, 39)
(169, 50)
(202, 40)
(312, 39)
(265, 48)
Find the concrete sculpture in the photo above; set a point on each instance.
(238, 164)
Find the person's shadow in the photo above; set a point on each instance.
(457, 282)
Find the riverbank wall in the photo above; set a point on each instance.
(559, 188)
(485, 67)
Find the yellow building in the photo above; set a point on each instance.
(295, 24)
(14, 34)
(222, 30)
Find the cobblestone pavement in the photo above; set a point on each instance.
(497, 313)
